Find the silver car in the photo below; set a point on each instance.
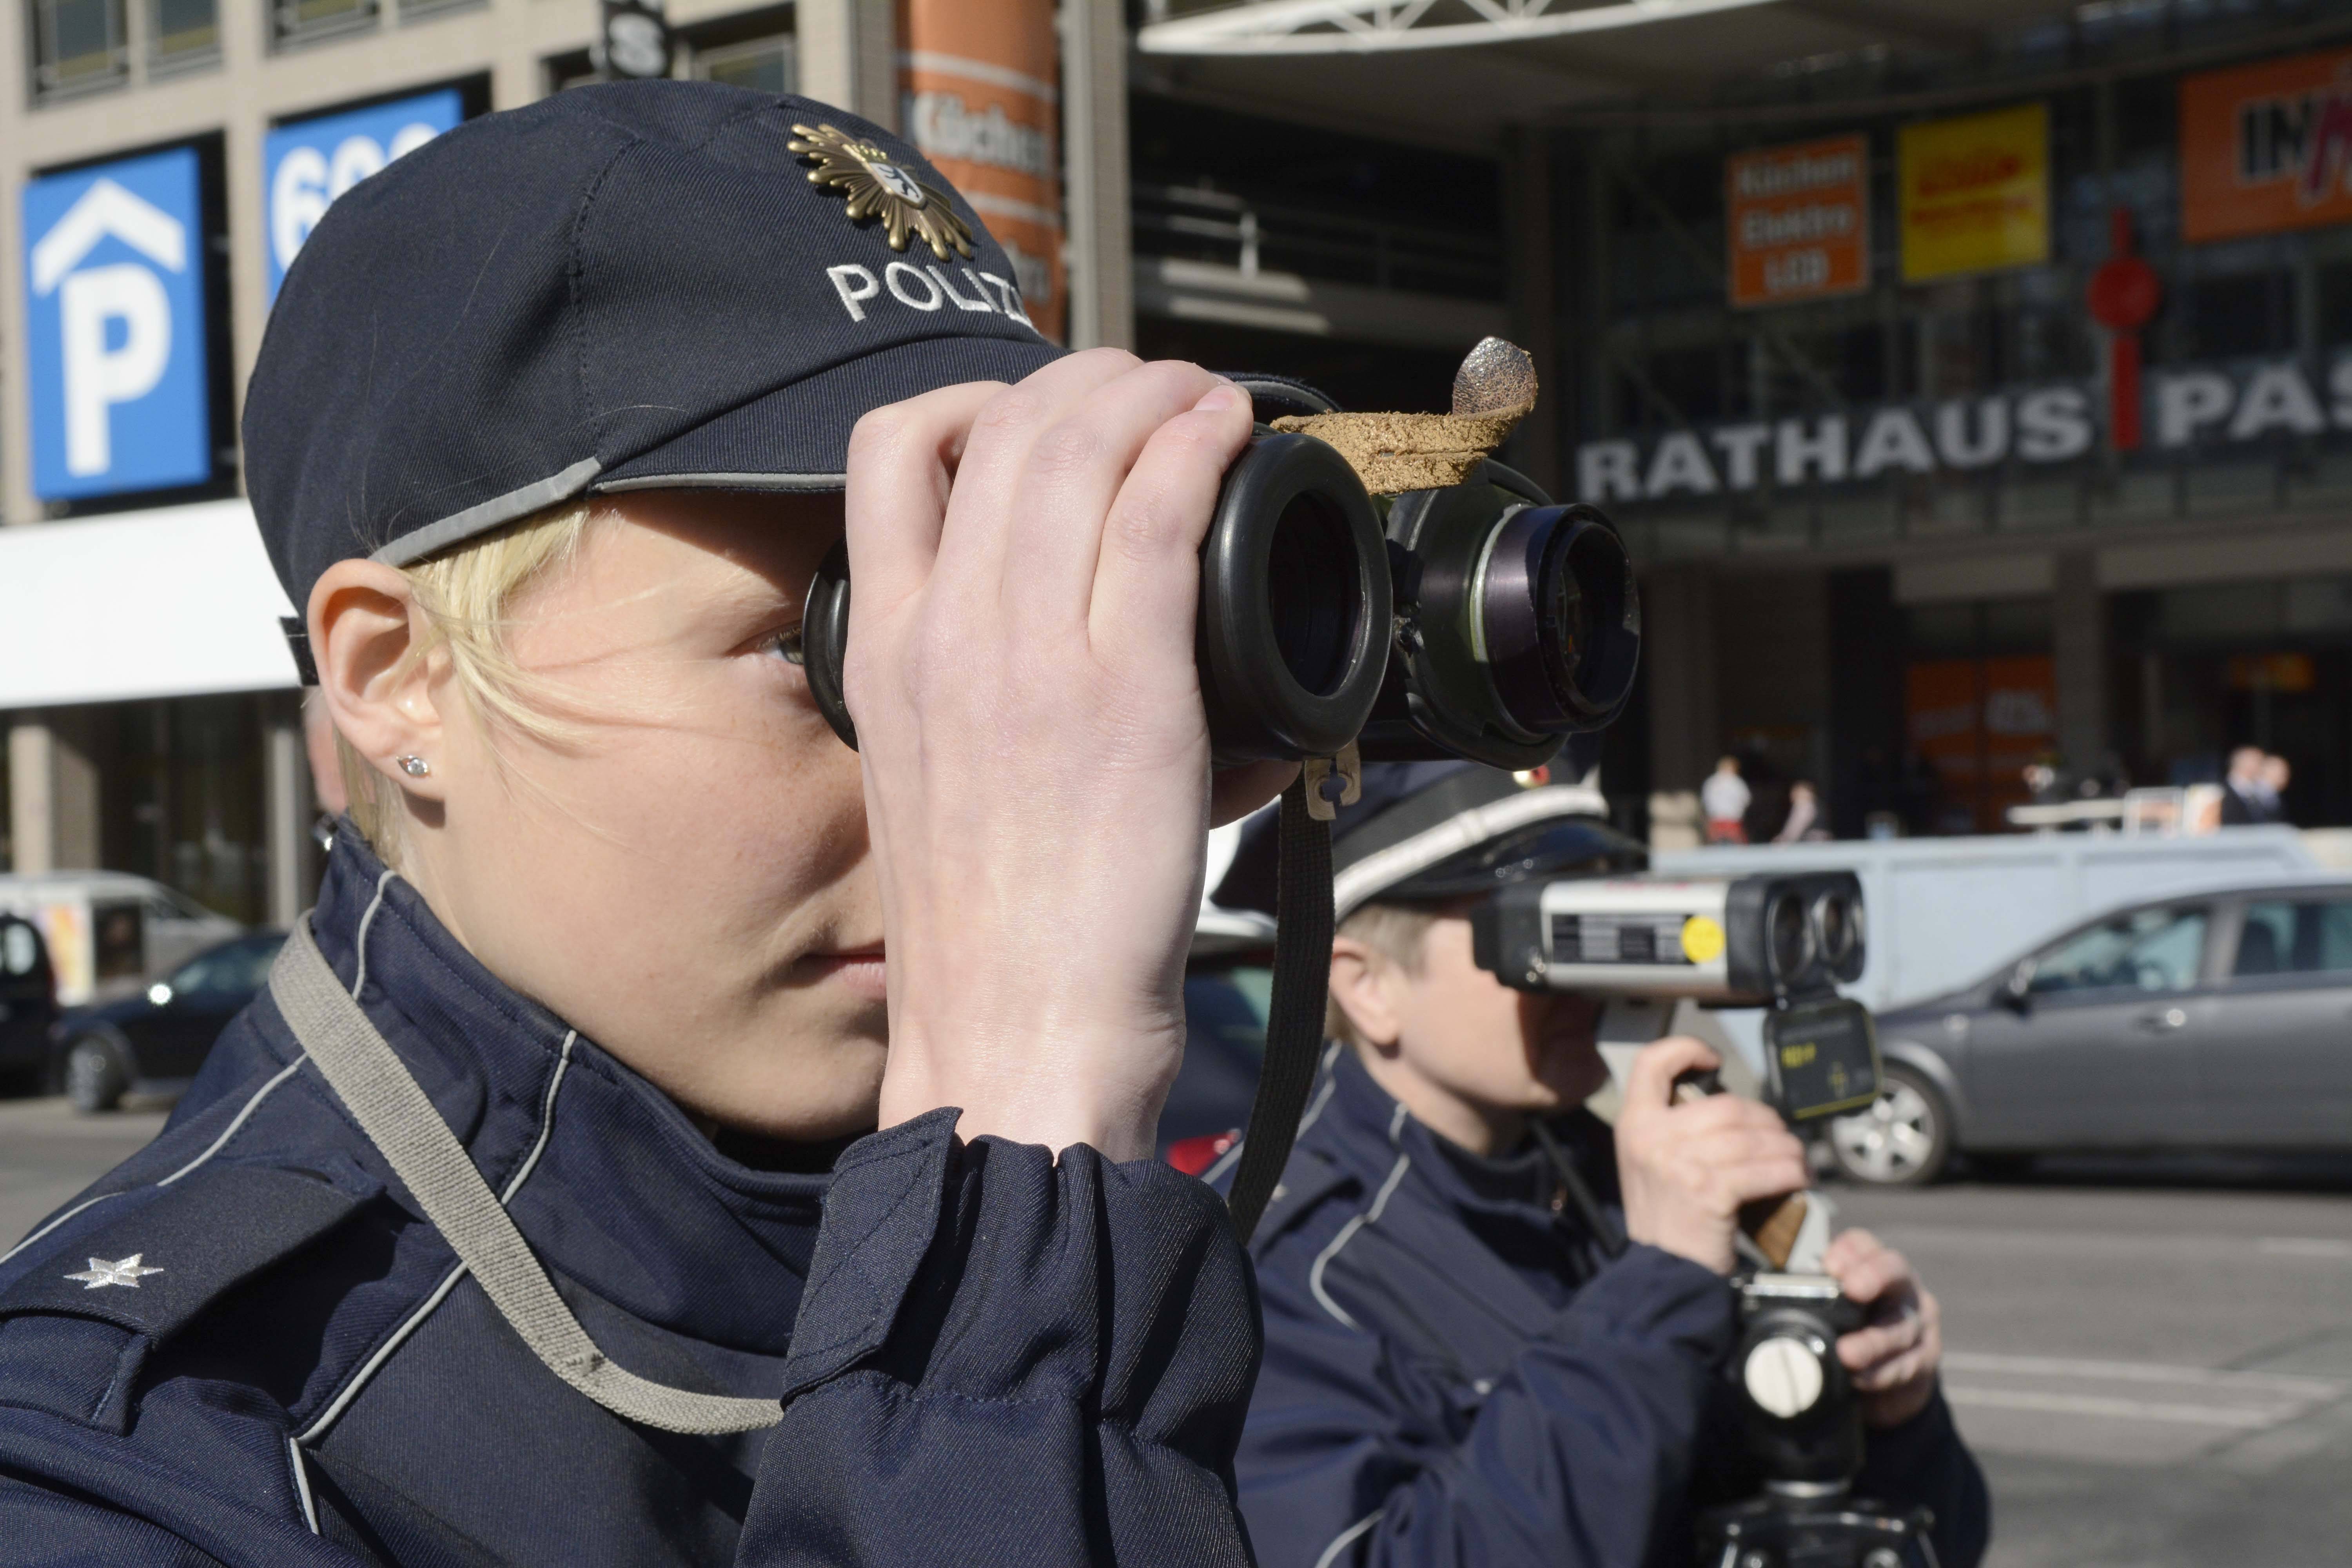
(2217, 1020)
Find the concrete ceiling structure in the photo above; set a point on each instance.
(1455, 72)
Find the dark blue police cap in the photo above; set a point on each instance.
(1434, 832)
(624, 287)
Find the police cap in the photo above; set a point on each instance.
(655, 284)
(1434, 832)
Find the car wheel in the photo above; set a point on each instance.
(1904, 1140)
(96, 1078)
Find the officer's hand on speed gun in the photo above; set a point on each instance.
(1894, 1358)
(1036, 761)
(1685, 1169)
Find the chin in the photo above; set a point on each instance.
(802, 1097)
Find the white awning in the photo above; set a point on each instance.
(178, 602)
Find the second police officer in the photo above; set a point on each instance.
(1465, 1364)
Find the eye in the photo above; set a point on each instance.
(787, 644)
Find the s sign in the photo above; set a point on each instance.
(308, 163)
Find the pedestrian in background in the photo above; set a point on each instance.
(1804, 817)
(2277, 774)
(2244, 802)
(1724, 797)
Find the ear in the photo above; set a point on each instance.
(1360, 979)
(364, 619)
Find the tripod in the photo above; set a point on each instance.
(1804, 1430)
(1795, 1525)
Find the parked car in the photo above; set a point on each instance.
(2214, 1020)
(28, 1003)
(111, 934)
(154, 1042)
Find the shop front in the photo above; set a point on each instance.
(2014, 421)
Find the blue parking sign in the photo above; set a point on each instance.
(305, 165)
(119, 388)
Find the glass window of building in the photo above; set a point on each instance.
(182, 33)
(575, 69)
(77, 45)
(299, 21)
(762, 65)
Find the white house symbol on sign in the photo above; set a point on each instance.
(97, 376)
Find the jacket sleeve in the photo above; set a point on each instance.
(1001, 1358)
(1573, 1457)
(1924, 1463)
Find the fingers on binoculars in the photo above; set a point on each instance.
(1659, 1063)
(902, 459)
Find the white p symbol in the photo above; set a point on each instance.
(90, 300)
(98, 377)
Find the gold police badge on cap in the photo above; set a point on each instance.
(873, 184)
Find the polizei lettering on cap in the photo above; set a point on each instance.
(924, 289)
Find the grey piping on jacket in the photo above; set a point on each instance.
(1348, 1231)
(789, 484)
(302, 1484)
(1314, 1109)
(383, 1353)
(484, 516)
(367, 919)
(1348, 1537)
(368, 1075)
(227, 1133)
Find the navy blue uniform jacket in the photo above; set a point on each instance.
(982, 1355)
(1456, 1374)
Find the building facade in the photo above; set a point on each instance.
(1981, 412)
(1969, 394)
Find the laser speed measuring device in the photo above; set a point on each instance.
(1781, 942)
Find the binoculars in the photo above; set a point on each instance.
(1477, 621)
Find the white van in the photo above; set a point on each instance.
(109, 932)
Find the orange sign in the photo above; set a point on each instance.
(1800, 221)
(1978, 723)
(977, 90)
(2266, 147)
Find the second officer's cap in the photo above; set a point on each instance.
(622, 287)
(1439, 831)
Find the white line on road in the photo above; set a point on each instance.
(2079, 1245)
(2307, 1246)
(2117, 1409)
(2252, 1383)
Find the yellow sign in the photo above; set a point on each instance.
(1973, 195)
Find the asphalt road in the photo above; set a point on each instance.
(2154, 1362)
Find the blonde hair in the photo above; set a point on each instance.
(1394, 932)
(466, 595)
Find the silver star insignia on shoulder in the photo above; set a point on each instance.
(100, 1273)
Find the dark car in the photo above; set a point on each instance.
(155, 1041)
(2218, 1020)
(28, 1003)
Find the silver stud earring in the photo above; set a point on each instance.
(415, 767)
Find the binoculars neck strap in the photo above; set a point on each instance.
(1294, 1027)
(376, 1087)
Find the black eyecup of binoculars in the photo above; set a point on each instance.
(1294, 604)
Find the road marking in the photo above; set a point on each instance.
(2077, 1245)
(2117, 1409)
(2087, 1387)
(2253, 1382)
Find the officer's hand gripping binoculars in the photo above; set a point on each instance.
(1477, 621)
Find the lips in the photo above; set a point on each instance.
(862, 970)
